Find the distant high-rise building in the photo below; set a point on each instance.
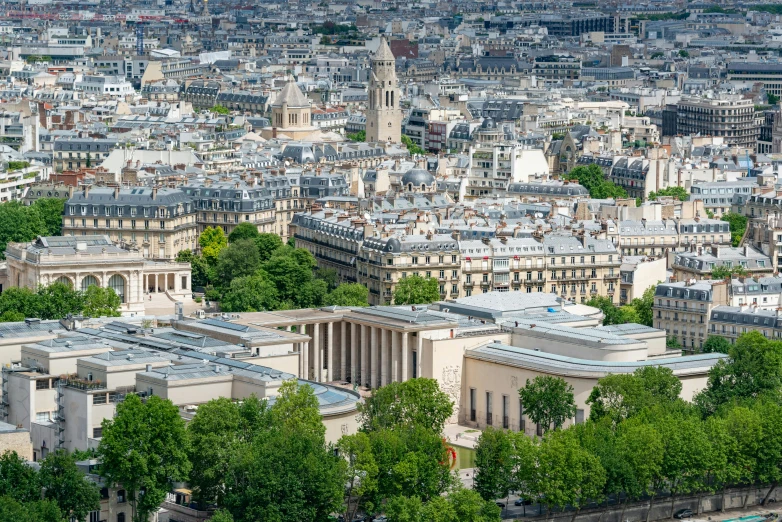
(384, 117)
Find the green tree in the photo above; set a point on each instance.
(716, 344)
(267, 245)
(470, 507)
(772, 99)
(17, 479)
(212, 241)
(360, 136)
(723, 271)
(329, 275)
(494, 464)
(412, 148)
(243, 231)
(361, 493)
(415, 403)
(239, 259)
(621, 396)
(219, 109)
(611, 314)
(525, 458)
(548, 401)
(65, 484)
(676, 192)
(221, 515)
(291, 271)
(672, 343)
(19, 301)
(591, 177)
(639, 449)
(737, 223)
(19, 224)
(59, 299)
(11, 317)
(348, 294)
(684, 54)
(101, 302)
(643, 306)
(253, 293)
(145, 449)
(405, 509)
(685, 452)
(34, 511)
(212, 434)
(753, 369)
(50, 210)
(567, 474)
(415, 289)
(198, 267)
(287, 471)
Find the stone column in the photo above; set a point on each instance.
(405, 353)
(343, 350)
(420, 349)
(316, 361)
(353, 352)
(383, 356)
(330, 352)
(305, 355)
(374, 363)
(364, 354)
(395, 356)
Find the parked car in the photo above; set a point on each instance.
(683, 513)
(523, 502)
(501, 505)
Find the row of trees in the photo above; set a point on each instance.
(261, 461)
(56, 301)
(641, 440)
(20, 223)
(56, 493)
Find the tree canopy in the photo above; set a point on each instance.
(415, 289)
(738, 225)
(145, 449)
(676, 192)
(20, 223)
(548, 401)
(591, 177)
(56, 301)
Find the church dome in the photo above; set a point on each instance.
(489, 123)
(417, 177)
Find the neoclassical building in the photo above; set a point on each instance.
(94, 260)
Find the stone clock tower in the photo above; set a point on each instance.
(384, 117)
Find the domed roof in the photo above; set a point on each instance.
(488, 123)
(417, 177)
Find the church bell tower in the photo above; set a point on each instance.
(384, 117)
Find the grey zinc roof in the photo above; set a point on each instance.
(596, 338)
(570, 366)
(29, 328)
(749, 315)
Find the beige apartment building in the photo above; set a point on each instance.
(159, 221)
(574, 267)
(683, 309)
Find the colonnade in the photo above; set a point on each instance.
(361, 354)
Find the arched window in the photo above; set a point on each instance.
(89, 281)
(117, 283)
(120, 517)
(64, 280)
